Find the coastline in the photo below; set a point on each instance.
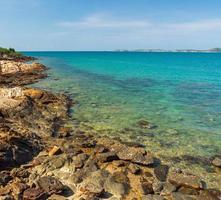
(82, 166)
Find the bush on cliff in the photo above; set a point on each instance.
(9, 53)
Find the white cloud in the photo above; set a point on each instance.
(102, 22)
(96, 21)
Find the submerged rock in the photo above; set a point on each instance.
(217, 162)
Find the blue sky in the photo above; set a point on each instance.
(109, 24)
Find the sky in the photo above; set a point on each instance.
(109, 24)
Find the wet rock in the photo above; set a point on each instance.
(217, 162)
(4, 178)
(145, 124)
(161, 172)
(54, 151)
(186, 180)
(34, 194)
(50, 185)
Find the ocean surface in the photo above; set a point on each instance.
(179, 94)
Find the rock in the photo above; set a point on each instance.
(16, 149)
(56, 197)
(117, 184)
(107, 157)
(18, 73)
(181, 179)
(146, 188)
(161, 172)
(210, 195)
(217, 162)
(146, 125)
(136, 155)
(18, 188)
(115, 188)
(179, 196)
(50, 185)
(94, 183)
(168, 188)
(152, 197)
(157, 187)
(188, 191)
(134, 169)
(4, 178)
(54, 151)
(34, 194)
(79, 160)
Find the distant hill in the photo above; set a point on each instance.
(163, 50)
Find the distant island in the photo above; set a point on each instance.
(214, 50)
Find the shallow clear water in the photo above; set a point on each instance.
(179, 93)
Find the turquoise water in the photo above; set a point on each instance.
(178, 93)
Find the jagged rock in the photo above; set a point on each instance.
(217, 162)
(186, 180)
(107, 157)
(4, 178)
(168, 188)
(34, 194)
(12, 67)
(134, 168)
(94, 183)
(152, 197)
(50, 185)
(116, 188)
(209, 195)
(79, 160)
(134, 154)
(16, 149)
(179, 196)
(54, 151)
(188, 191)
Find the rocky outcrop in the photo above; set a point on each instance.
(17, 73)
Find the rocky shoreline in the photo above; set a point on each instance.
(42, 157)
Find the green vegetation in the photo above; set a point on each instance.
(9, 53)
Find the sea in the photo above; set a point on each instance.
(169, 102)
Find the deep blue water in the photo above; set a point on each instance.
(180, 93)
